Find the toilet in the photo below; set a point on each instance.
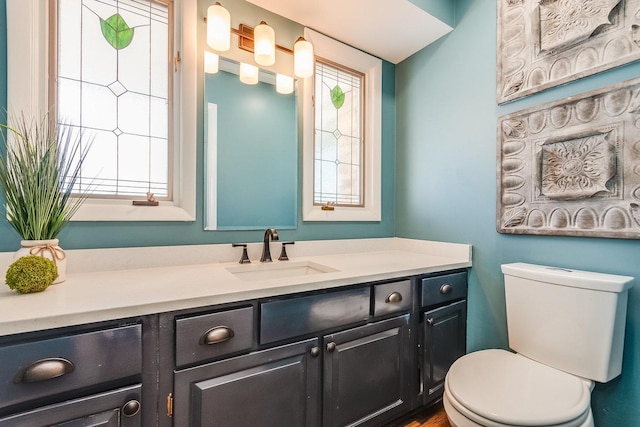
(566, 328)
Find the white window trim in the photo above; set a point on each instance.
(27, 79)
(340, 53)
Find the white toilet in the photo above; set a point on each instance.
(567, 327)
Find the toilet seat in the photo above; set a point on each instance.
(497, 387)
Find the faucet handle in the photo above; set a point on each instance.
(244, 259)
(283, 253)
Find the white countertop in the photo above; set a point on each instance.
(105, 284)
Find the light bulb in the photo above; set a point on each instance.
(284, 84)
(211, 61)
(303, 58)
(264, 44)
(218, 28)
(248, 73)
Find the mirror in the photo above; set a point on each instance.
(251, 145)
(250, 133)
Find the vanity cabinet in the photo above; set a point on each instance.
(443, 330)
(88, 378)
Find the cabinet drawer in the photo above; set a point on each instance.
(297, 316)
(213, 335)
(47, 367)
(437, 290)
(392, 297)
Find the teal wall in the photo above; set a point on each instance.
(127, 234)
(446, 187)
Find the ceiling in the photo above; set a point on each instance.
(390, 29)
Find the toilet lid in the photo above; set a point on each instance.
(510, 389)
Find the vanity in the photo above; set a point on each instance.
(353, 332)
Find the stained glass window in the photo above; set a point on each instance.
(113, 84)
(339, 136)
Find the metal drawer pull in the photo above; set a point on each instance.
(216, 335)
(131, 408)
(446, 289)
(45, 369)
(393, 297)
(315, 352)
(331, 347)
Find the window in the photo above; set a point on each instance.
(110, 79)
(342, 134)
(151, 144)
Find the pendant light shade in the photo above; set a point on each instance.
(303, 58)
(248, 74)
(264, 44)
(218, 28)
(284, 84)
(211, 62)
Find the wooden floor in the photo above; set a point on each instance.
(432, 417)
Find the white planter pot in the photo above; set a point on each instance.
(48, 249)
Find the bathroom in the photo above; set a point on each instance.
(438, 183)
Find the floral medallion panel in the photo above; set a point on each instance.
(572, 167)
(545, 43)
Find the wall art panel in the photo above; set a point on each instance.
(545, 43)
(572, 167)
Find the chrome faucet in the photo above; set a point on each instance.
(270, 233)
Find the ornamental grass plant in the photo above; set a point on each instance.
(40, 165)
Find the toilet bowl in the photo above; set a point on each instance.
(559, 348)
(497, 388)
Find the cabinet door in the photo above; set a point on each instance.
(444, 341)
(276, 387)
(366, 373)
(117, 408)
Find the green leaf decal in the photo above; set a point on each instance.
(116, 31)
(337, 97)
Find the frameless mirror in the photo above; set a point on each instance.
(251, 146)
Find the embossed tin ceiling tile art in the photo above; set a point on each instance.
(545, 43)
(572, 167)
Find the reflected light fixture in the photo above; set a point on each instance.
(249, 73)
(211, 62)
(303, 58)
(284, 84)
(218, 28)
(264, 44)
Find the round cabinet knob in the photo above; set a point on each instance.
(446, 289)
(331, 347)
(393, 297)
(131, 408)
(315, 352)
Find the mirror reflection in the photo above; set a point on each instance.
(251, 145)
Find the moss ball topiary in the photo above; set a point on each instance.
(31, 273)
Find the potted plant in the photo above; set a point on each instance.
(40, 165)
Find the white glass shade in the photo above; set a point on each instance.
(264, 44)
(248, 73)
(284, 84)
(211, 62)
(303, 58)
(218, 28)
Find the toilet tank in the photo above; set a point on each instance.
(571, 320)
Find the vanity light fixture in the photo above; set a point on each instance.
(264, 44)
(260, 41)
(303, 58)
(249, 74)
(218, 28)
(284, 84)
(211, 62)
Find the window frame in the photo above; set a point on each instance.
(331, 50)
(28, 30)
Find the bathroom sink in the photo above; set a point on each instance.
(278, 270)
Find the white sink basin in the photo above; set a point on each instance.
(278, 270)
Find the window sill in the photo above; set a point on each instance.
(121, 211)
